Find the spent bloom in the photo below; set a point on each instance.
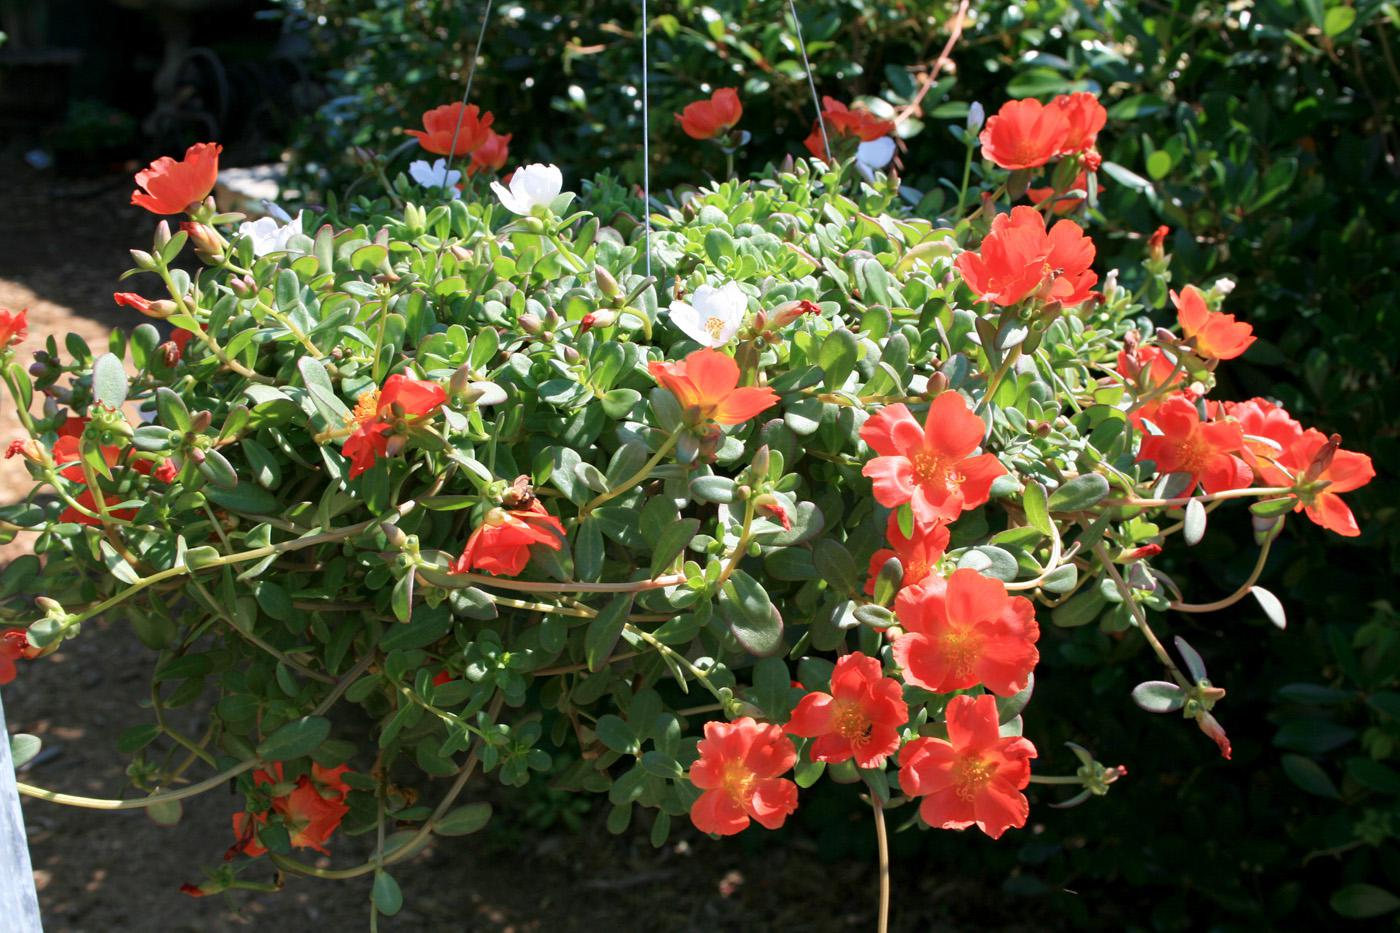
(706, 383)
(532, 189)
(739, 771)
(964, 631)
(14, 646)
(501, 543)
(169, 187)
(1216, 336)
(859, 718)
(975, 776)
(931, 467)
(713, 315)
(466, 123)
(706, 119)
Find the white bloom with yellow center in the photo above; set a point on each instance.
(714, 315)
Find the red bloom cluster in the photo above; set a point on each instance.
(975, 776)
(67, 454)
(458, 129)
(706, 383)
(845, 125)
(392, 410)
(918, 553)
(311, 811)
(1210, 452)
(14, 646)
(172, 187)
(1027, 134)
(501, 543)
(706, 119)
(1020, 258)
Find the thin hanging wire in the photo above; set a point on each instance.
(466, 93)
(646, 136)
(811, 83)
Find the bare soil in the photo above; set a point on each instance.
(61, 249)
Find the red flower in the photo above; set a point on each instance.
(14, 327)
(1218, 336)
(443, 676)
(706, 384)
(14, 646)
(1084, 116)
(845, 124)
(133, 300)
(378, 412)
(311, 811)
(964, 631)
(1316, 458)
(859, 718)
(1208, 451)
(706, 119)
(1157, 242)
(440, 125)
(193, 890)
(1019, 257)
(738, 771)
(976, 776)
(1062, 205)
(932, 468)
(490, 155)
(181, 338)
(501, 543)
(1025, 134)
(1269, 433)
(918, 554)
(86, 500)
(166, 472)
(173, 187)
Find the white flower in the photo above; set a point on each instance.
(531, 187)
(874, 155)
(715, 316)
(268, 235)
(436, 177)
(1223, 287)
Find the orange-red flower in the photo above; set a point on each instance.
(918, 554)
(964, 631)
(87, 501)
(706, 119)
(1217, 336)
(14, 646)
(492, 154)
(1210, 452)
(1157, 242)
(441, 126)
(738, 770)
(1025, 134)
(706, 383)
(859, 718)
(14, 327)
(1314, 458)
(1269, 432)
(402, 401)
(1084, 117)
(845, 124)
(974, 777)
(501, 543)
(1019, 257)
(311, 811)
(173, 187)
(933, 467)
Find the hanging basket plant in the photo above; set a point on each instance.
(463, 483)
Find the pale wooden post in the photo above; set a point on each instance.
(19, 904)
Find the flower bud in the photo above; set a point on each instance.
(162, 235)
(200, 421)
(976, 116)
(460, 380)
(394, 536)
(570, 355)
(243, 286)
(785, 314)
(144, 260)
(1223, 287)
(208, 245)
(395, 445)
(529, 323)
(761, 459)
(596, 319)
(1156, 243)
(937, 385)
(461, 254)
(606, 283)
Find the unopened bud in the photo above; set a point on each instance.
(1157, 243)
(200, 421)
(937, 385)
(785, 314)
(761, 459)
(208, 245)
(976, 116)
(606, 283)
(144, 260)
(570, 355)
(596, 319)
(243, 286)
(395, 445)
(460, 380)
(362, 156)
(394, 536)
(529, 323)
(162, 235)
(460, 253)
